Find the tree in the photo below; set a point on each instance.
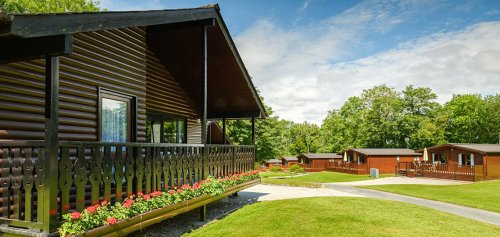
(419, 101)
(304, 138)
(48, 6)
(384, 107)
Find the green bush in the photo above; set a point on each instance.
(296, 169)
(275, 169)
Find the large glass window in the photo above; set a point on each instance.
(165, 129)
(115, 118)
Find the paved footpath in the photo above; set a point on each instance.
(468, 212)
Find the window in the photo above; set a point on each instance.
(162, 128)
(115, 117)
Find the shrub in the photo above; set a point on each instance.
(105, 214)
(275, 169)
(296, 169)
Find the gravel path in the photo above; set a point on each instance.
(403, 180)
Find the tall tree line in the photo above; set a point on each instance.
(380, 117)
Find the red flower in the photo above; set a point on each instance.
(179, 190)
(128, 203)
(171, 191)
(111, 220)
(91, 209)
(75, 215)
(156, 194)
(140, 194)
(104, 203)
(196, 185)
(146, 197)
(186, 186)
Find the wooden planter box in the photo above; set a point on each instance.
(141, 221)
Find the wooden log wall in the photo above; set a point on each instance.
(116, 60)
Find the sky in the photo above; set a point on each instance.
(307, 57)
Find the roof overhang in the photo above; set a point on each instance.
(176, 37)
(454, 146)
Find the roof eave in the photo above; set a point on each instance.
(22, 24)
(232, 45)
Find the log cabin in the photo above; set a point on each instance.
(315, 162)
(361, 160)
(97, 106)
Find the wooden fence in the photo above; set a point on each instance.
(90, 172)
(441, 171)
(347, 167)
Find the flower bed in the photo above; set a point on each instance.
(140, 205)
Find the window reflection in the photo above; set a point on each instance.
(114, 120)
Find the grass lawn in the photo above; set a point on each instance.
(483, 195)
(312, 179)
(274, 174)
(342, 216)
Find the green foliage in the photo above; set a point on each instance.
(296, 169)
(94, 216)
(275, 169)
(48, 6)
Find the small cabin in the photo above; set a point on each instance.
(315, 162)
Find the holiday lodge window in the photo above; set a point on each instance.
(162, 128)
(115, 117)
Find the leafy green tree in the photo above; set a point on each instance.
(384, 107)
(305, 138)
(48, 6)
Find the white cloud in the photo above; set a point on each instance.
(301, 74)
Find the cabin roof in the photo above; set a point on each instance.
(290, 158)
(176, 37)
(479, 148)
(321, 155)
(386, 151)
(272, 161)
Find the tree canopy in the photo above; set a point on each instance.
(380, 117)
(48, 6)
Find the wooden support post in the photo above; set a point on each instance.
(253, 130)
(205, 82)
(224, 130)
(203, 213)
(49, 215)
(204, 112)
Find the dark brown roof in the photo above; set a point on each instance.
(290, 158)
(321, 155)
(176, 38)
(479, 148)
(386, 151)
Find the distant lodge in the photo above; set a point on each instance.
(470, 162)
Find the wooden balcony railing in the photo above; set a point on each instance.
(347, 167)
(90, 172)
(443, 171)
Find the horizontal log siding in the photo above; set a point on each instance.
(22, 100)
(164, 94)
(193, 131)
(114, 60)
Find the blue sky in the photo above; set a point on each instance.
(308, 56)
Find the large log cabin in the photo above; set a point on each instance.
(97, 106)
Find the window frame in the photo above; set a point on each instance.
(131, 112)
(162, 117)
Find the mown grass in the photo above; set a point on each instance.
(483, 195)
(274, 174)
(342, 216)
(315, 179)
